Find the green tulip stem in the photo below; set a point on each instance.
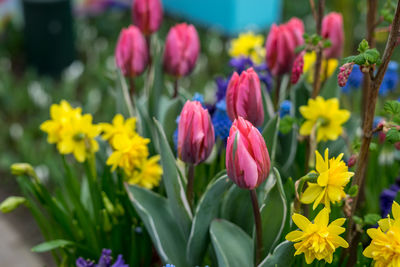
(176, 86)
(189, 189)
(257, 220)
(132, 86)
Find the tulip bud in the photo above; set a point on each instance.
(131, 53)
(147, 15)
(332, 29)
(195, 133)
(182, 48)
(281, 44)
(243, 97)
(247, 157)
(297, 69)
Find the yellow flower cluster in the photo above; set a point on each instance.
(130, 152)
(328, 67)
(385, 245)
(317, 240)
(72, 131)
(248, 45)
(332, 179)
(325, 117)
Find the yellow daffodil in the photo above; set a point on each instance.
(148, 174)
(248, 45)
(128, 152)
(328, 67)
(78, 138)
(317, 240)
(325, 117)
(61, 116)
(118, 126)
(333, 177)
(385, 245)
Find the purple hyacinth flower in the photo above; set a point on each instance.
(387, 197)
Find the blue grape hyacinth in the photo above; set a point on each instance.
(285, 109)
(104, 261)
(221, 121)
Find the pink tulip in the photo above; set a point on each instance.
(147, 15)
(247, 157)
(243, 97)
(281, 43)
(182, 48)
(195, 133)
(131, 53)
(332, 29)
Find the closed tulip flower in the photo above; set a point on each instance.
(243, 97)
(332, 29)
(182, 48)
(131, 53)
(147, 15)
(281, 43)
(195, 133)
(247, 157)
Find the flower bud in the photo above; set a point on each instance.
(11, 203)
(297, 69)
(352, 160)
(131, 53)
(332, 29)
(247, 157)
(243, 97)
(147, 15)
(22, 169)
(182, 48)
(195, 133)
(281, 44)
(344, 73)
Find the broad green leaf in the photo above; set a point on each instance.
(236, 208)
(53, 244)
(168, 117)
(159, 220)
(273, 211)
(392, 107)
(206, 211)
(270, 134)
(393, 136)
(233, 247)
(282, 256)
(173, 184)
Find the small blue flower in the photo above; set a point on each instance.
(390, 80)
(377, 120)
(221, 121)
(285, 109)
(198, 97)
(169, 265)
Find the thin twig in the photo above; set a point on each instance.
(314, 12)
(359, 178)
(318, 62)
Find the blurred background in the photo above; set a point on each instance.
(64, 49)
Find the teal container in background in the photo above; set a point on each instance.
(228, 16)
